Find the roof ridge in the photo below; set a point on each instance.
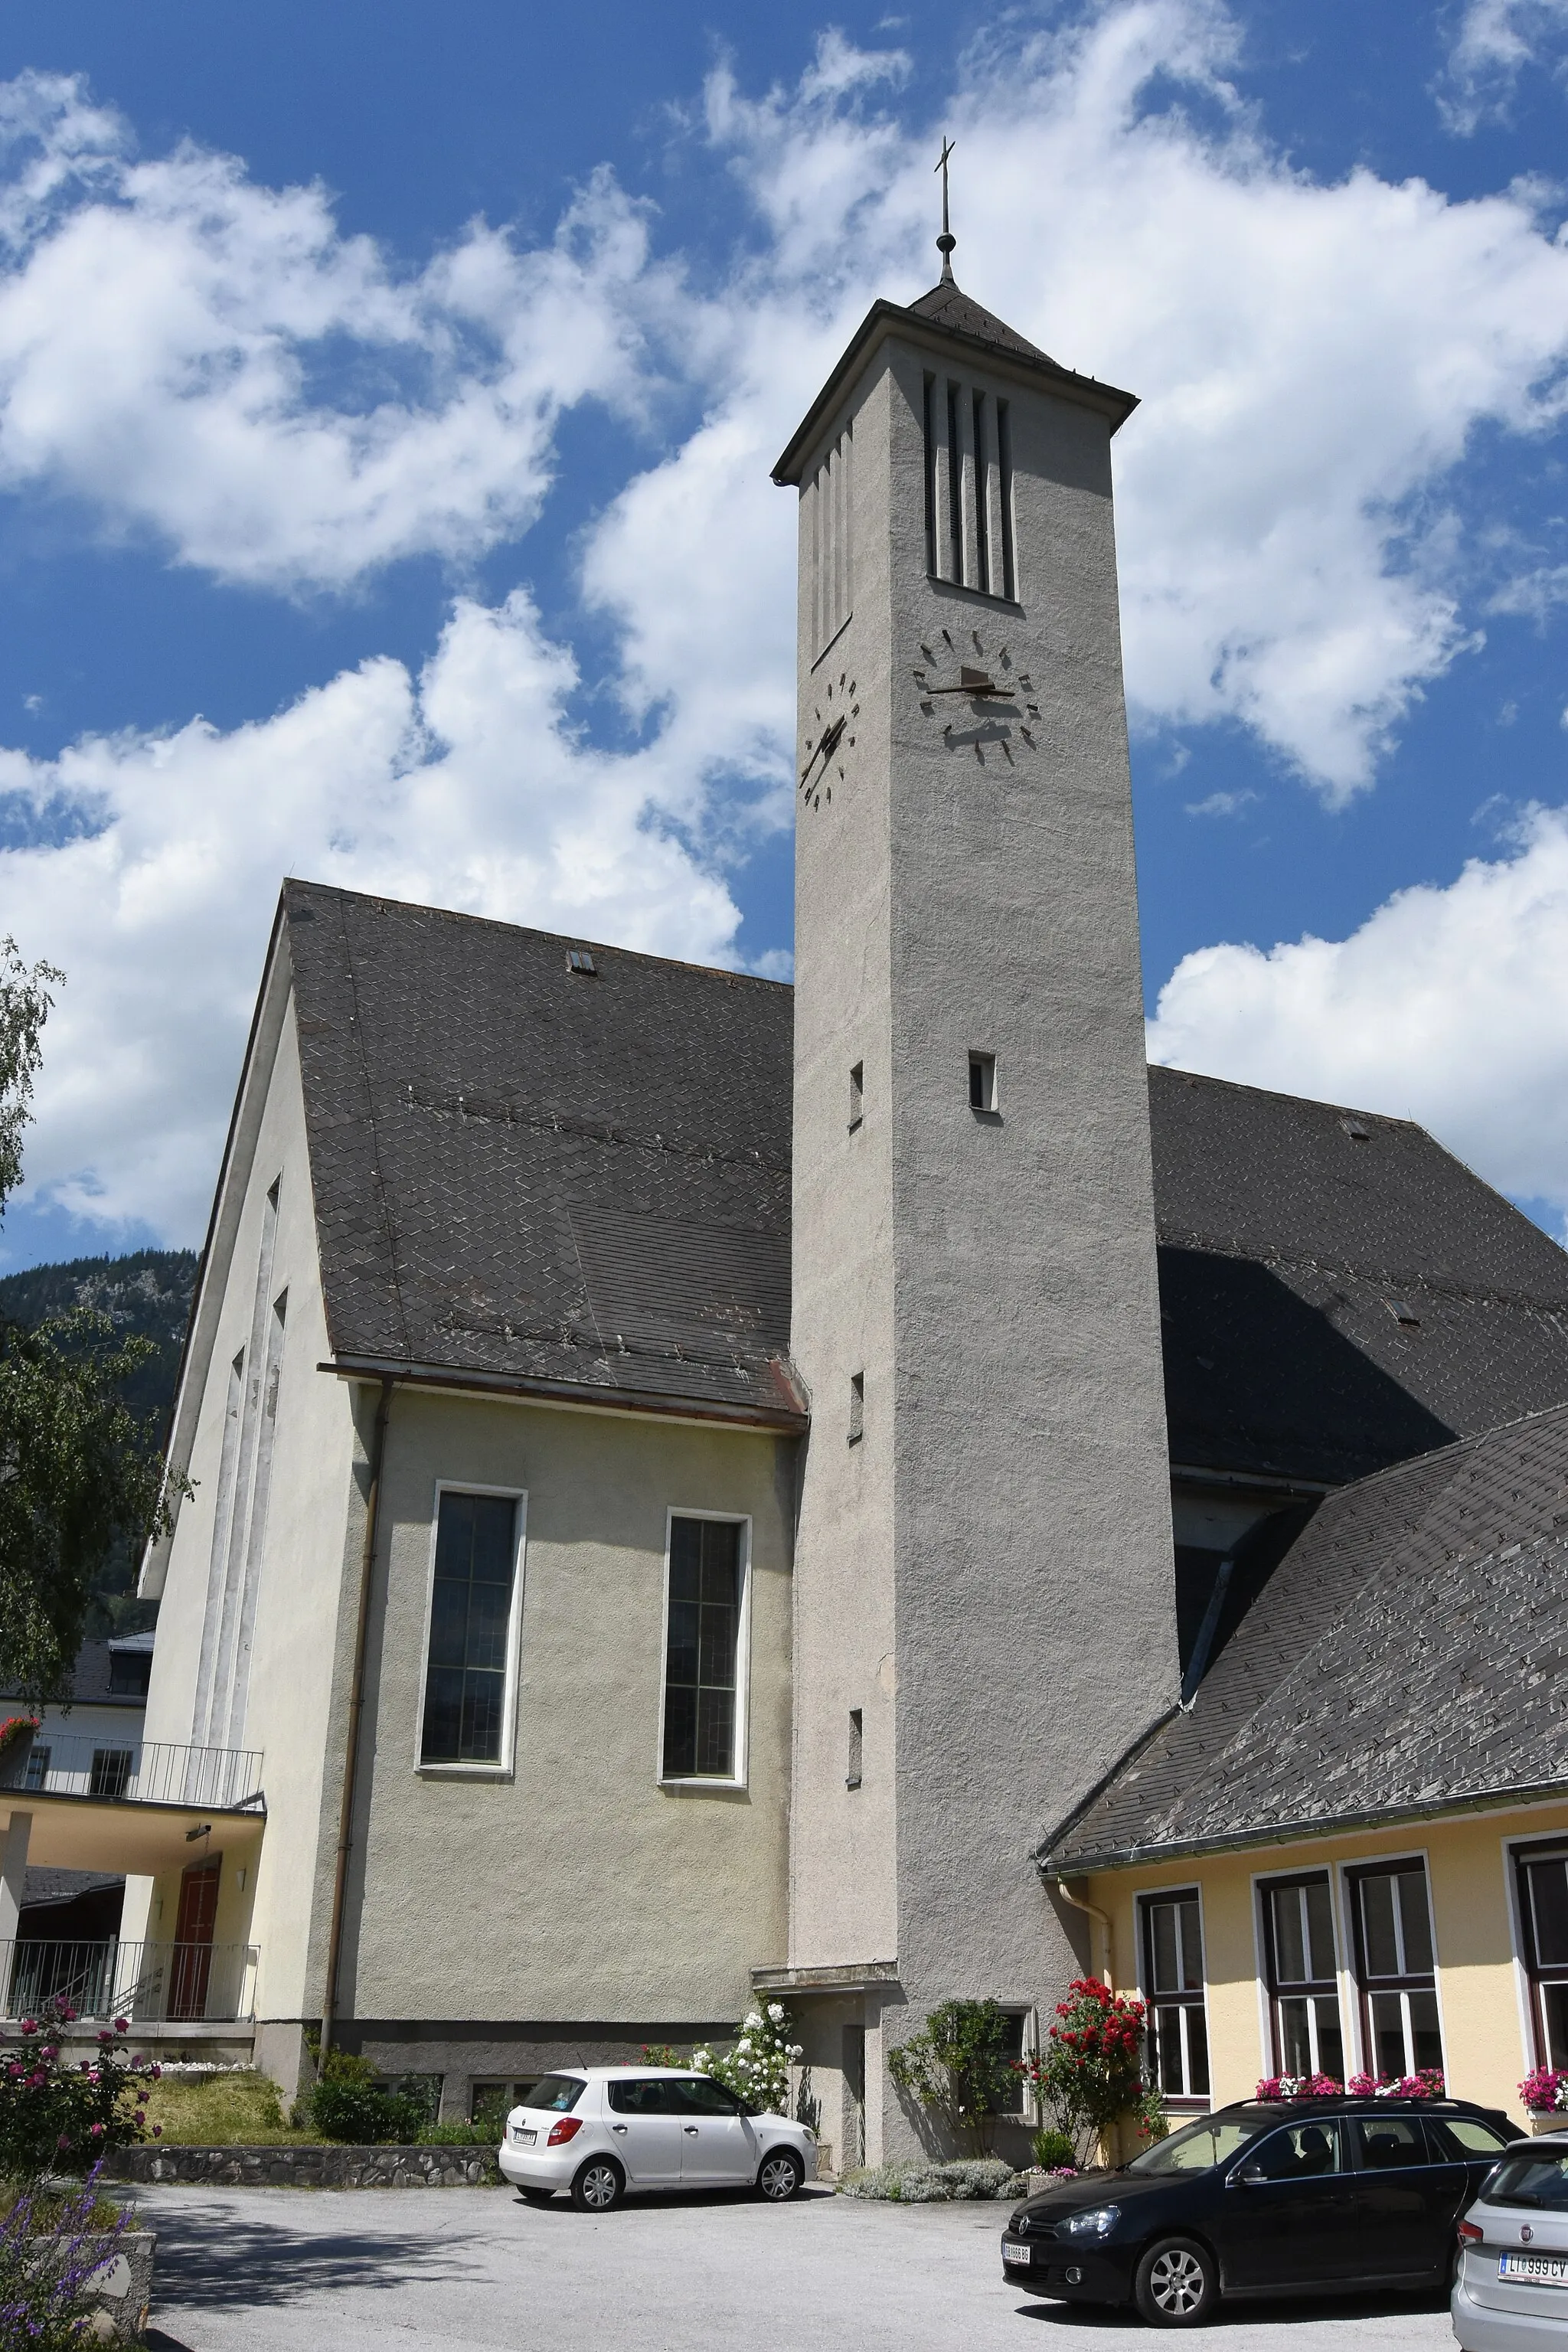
(532, 931)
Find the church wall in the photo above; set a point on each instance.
(570, 1899)
(248, 1632)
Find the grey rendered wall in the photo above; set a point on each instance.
(996, 1276)
(576, 1890)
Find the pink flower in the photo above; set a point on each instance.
(122, 2025)
(96, 2130)
(157, 2131)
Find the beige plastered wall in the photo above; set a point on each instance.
(297, 1632)
(1486, 2031)
(572, 1888)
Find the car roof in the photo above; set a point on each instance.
(1350, 2102)
(614, 2073)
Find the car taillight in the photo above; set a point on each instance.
(1471, 2235)
(567, 2128)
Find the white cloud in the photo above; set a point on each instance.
(168, 328)
(462, 786)
(1497, 40)
(214, 366)
(1448, 1005)
(1221, 804)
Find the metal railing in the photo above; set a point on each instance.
(138, 1771)
(150, 1983)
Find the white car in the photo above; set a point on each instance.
(605, 2132)
(1510, 2285)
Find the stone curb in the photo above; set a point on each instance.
(311, 2166)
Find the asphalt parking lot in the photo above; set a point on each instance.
(436, 2270)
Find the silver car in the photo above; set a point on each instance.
(1511, 2285)
(603, 2132)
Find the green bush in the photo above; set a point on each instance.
(62, 2114)
(346, 2106)
(1053, 2150)
(958, 2067)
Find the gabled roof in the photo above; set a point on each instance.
(950, 313)
(529, 1175)
(1338, 1292)
(1405, 1657)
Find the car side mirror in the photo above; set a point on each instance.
(1251, 2175)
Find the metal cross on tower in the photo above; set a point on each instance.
(947, 241)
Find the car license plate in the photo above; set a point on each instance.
(526, 2134)
(1013, 2251)
(1541, 2270)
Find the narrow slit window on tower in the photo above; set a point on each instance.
(982, 1082)
(931, 473)
(852, 1776)
(1005, 484)
(856, 1407)
(982, 499)
(954, 487)
(856, 1093)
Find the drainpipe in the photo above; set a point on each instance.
(1079, 1905)
(356, 1708)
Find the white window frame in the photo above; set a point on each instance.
(1531, 2041)
(1028, 2111)
(1191, 2102)
(1344, 1872)
(712, 1780)
(1266, 2018)
(505, 1766)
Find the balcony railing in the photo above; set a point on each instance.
(149, 1983)
(140, 1772)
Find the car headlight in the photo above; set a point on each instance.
(1098, 2223)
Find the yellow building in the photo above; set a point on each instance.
(1348, 1853)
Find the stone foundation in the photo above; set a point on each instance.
(307, 2167)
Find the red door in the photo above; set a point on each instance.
(193, 1938)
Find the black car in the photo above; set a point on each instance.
(1317, 2197)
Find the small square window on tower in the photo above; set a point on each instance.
(982, 1082)
(856, 1093)
(852, 1778)
(856, 1407)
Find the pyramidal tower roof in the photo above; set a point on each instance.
(950, 312)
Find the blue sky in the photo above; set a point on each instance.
(386, 402)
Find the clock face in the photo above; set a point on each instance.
(829, 739)
(978, 698)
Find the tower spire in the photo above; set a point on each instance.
(947, 241)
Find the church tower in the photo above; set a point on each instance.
(985, 1608)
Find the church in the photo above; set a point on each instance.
(868, 1492)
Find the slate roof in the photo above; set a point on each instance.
(531, 1176)
(1289, 1249)
(947, 305)
(89, 1675)
(1407, 1656)
(522, 1174)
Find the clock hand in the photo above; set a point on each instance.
(825, 747)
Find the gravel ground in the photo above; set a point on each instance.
(258, 2269)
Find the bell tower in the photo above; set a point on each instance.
(984, 1605)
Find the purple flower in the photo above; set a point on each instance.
(122, 2025)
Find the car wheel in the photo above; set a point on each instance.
(779, 2176)
(599, 2185)
(1177, 2283)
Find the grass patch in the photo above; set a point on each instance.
(223, 2111)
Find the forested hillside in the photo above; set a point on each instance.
(148, 1292)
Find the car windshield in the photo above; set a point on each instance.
(1212, 2139)
(1536, 2180)
(556, 2093)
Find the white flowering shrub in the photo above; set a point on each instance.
(922, 2182)
(757, 2068)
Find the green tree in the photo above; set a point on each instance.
(958, 2067)
(77, 1466)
